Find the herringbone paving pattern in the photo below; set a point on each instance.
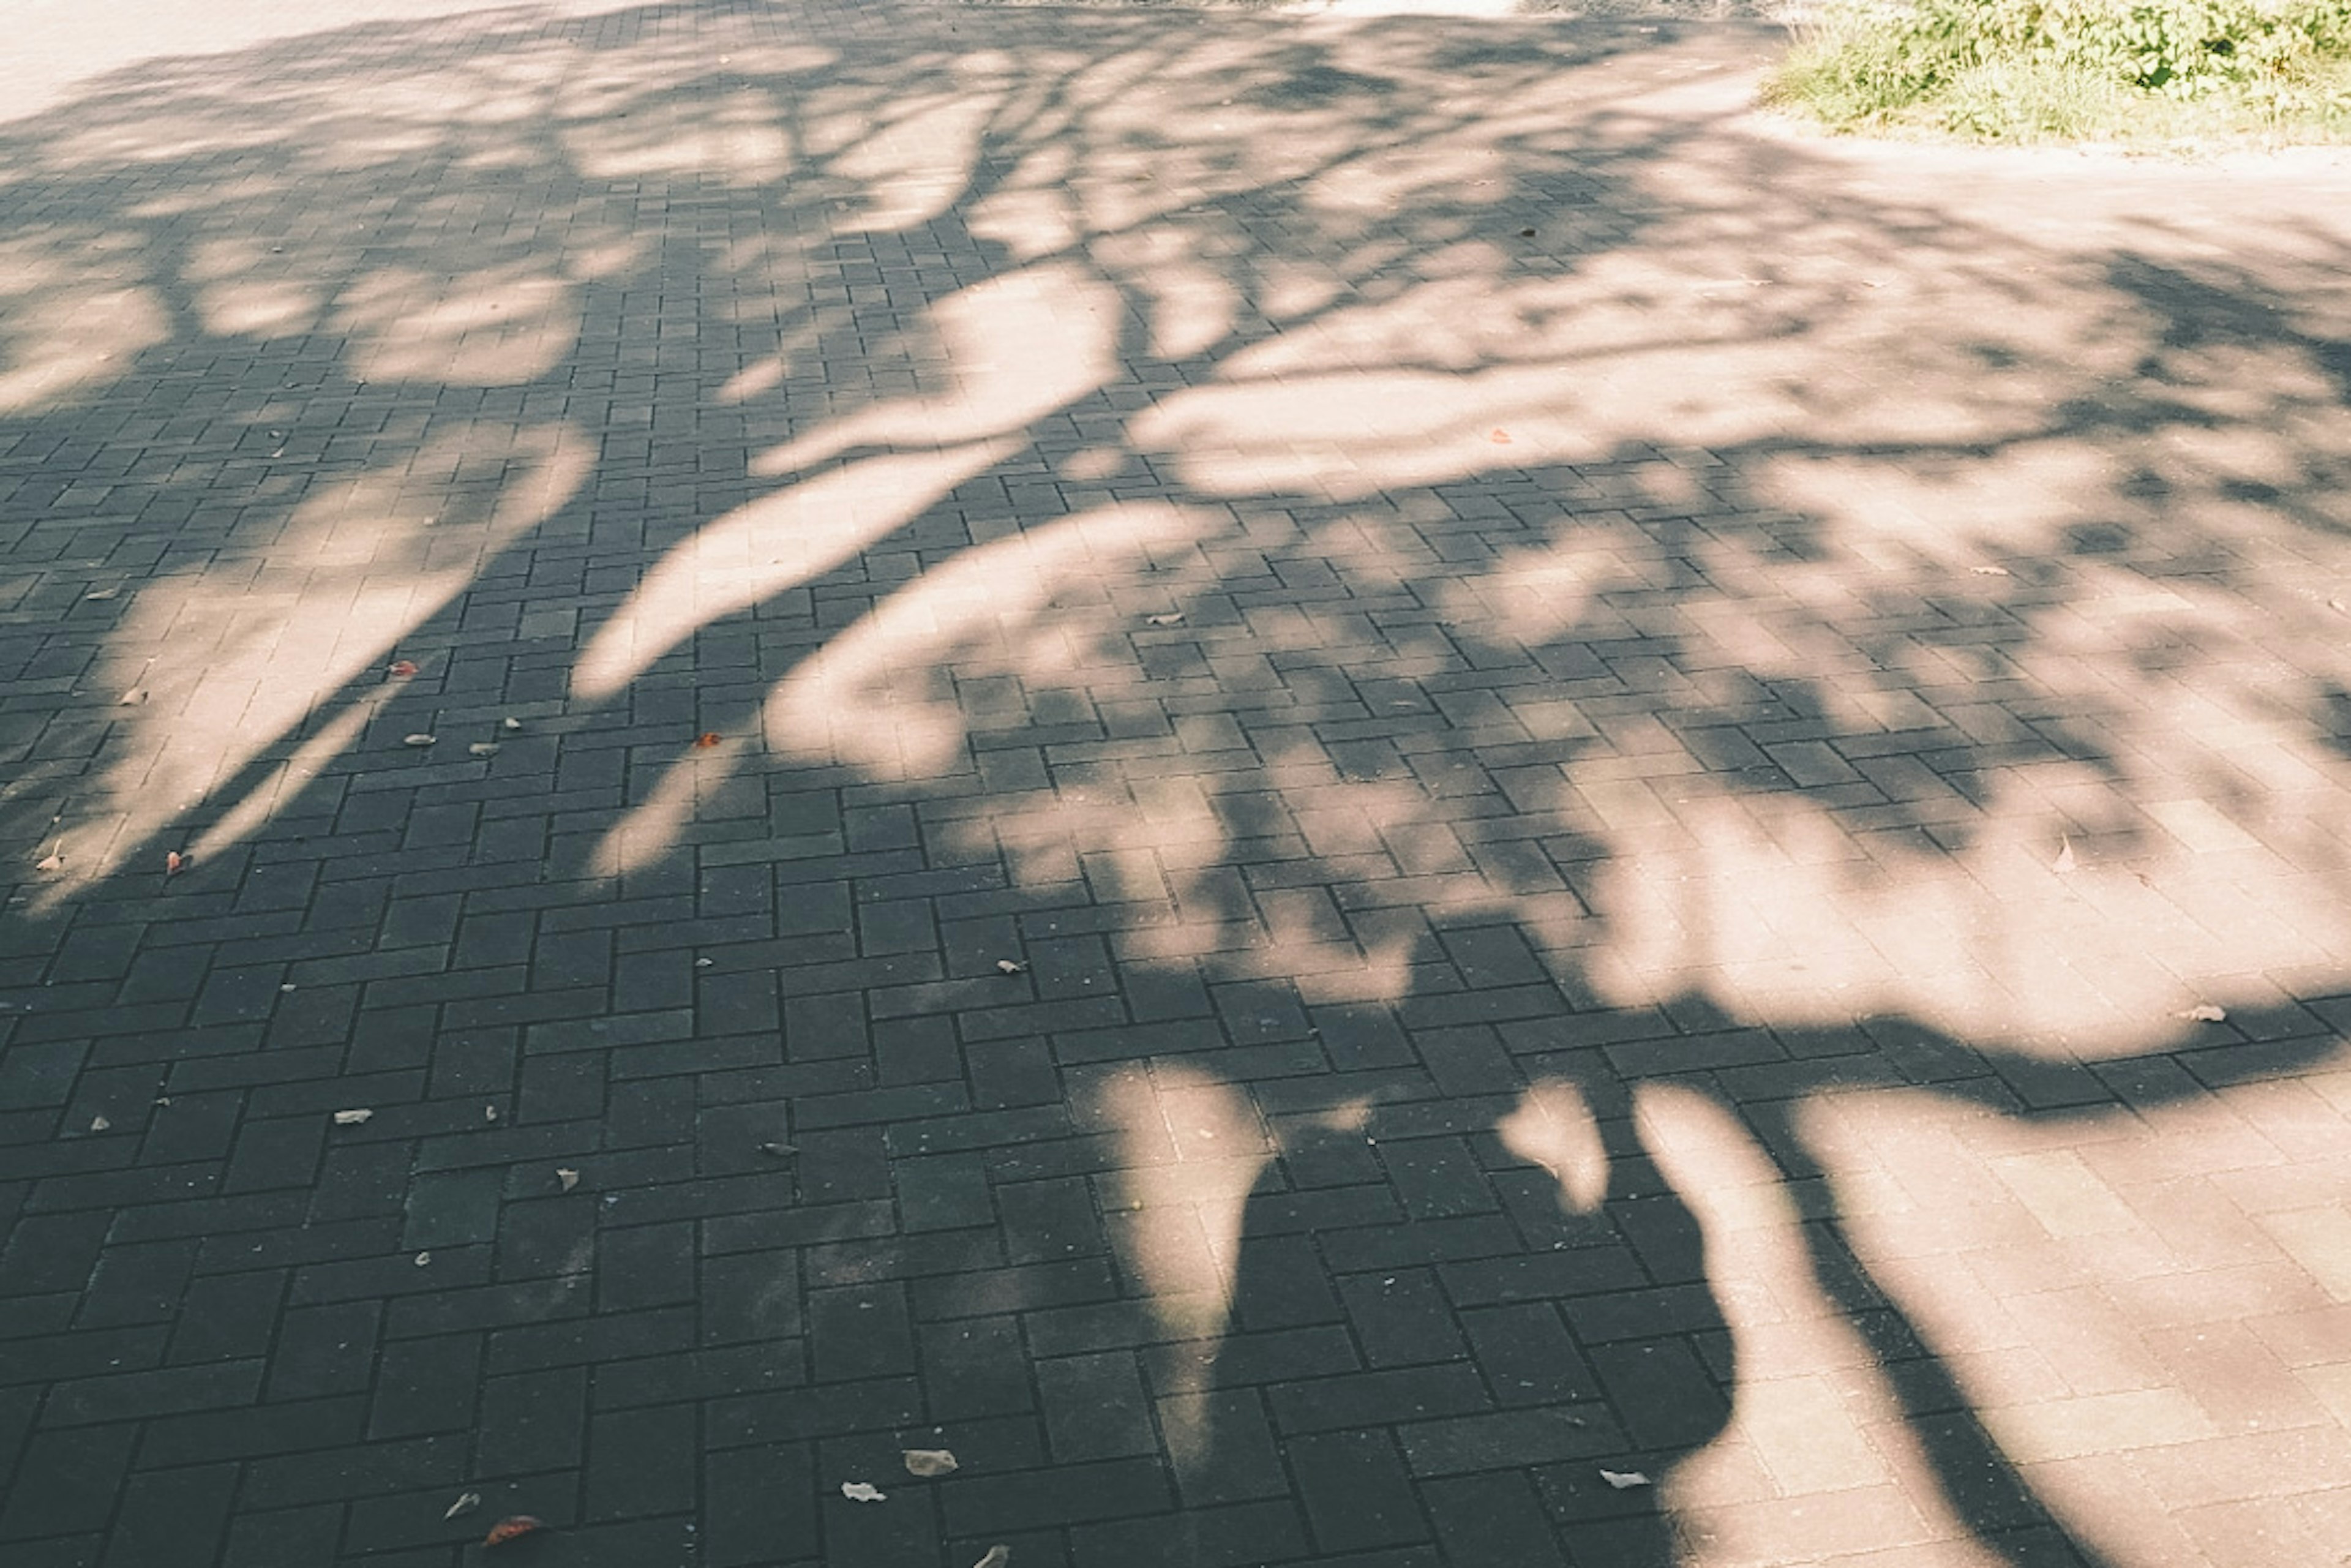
(1352, 790)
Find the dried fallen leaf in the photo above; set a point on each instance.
(483, 748)
(422, 1259)
(707, 740)
(513, 1528)
(570, 1179)
(1623, 1480)
(1175, 620)
(998, 1556)
(2205, 1012)
(779, 1151)
(467, 1502)
(401, 669)
(99, 1124)
(351, 1118)
(1990, 570)
(1499, 438)
(133, 697)
(54, 861)
(489, 1113)
(418, 740)
(510, 725)
(1008, 967)
(863, 1491)
(929, 1463)
(101, 593)
(2065, 861)
(174, 862)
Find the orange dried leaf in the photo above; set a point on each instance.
(706, 741)
(1499, 438)
(174, 862)
(512, 1528)
(403, 668)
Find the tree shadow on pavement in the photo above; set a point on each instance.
(871, 626)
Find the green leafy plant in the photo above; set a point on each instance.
(2038, 69)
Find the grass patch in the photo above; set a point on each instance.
(2137, 72)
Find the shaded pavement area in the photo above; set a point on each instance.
(1368, 790)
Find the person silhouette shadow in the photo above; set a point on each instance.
(1479, 1326)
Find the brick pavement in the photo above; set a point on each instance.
(1613, 747)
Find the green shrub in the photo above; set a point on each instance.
(2038, 69)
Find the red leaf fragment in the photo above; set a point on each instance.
(1499, 438)
(174, 862)
(401, 669)
(512, 1528)
(707, 740)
